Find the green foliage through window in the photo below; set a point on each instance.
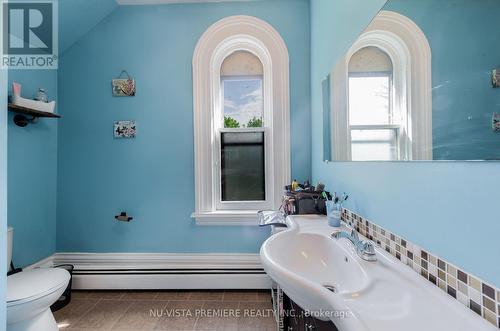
(255, 123)
(230, 122)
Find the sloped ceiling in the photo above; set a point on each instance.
(78, 17)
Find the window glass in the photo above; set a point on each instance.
(374, 134)
(369, 100)
(242, 166)
(241, 79)
(370, 79)
(243, 102)
(377, 145)
(242, 148)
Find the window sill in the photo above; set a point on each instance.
(226, 218)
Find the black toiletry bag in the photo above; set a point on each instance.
(307, 202)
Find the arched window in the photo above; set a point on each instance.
(241, 121)
(381, 94)
(241, 132)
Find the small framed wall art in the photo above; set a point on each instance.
(495, 122)
(125, 129)
(123, 87)
(495, 78)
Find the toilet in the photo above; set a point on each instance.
(31, 293)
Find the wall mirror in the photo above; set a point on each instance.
(422, 82)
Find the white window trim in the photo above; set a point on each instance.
(409, 50)
(220, 40)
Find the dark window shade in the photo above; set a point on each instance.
(243, 166)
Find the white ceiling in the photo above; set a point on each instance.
(163, 2)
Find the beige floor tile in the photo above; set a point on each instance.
(102, 311)
(256, 316)
(207, 295)
(104, 314)
(107, 295)
(179, 315)
(219, 316)
(80, 294)
(173, 295)
(240, 296)
(71, 314)
(141, 315)
(140, 295)
(264, 296)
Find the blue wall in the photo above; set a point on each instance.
(151, 177)
(32, 153)
(78, 17)
(32, 174)
(463, 56)
(448, 207)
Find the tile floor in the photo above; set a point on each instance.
(167, 310)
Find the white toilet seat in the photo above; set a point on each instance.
(29, 297)
(33, 284)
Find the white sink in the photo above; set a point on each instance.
(326, 277)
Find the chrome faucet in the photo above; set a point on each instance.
(364, 249)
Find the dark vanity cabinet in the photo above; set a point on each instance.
(296, 319)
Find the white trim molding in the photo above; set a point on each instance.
(410, 52)
(107, 271)
(226, 218)
(231, 34)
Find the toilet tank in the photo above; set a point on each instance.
(10, 236)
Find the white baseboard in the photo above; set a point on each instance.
(106, 271)
(170, 282)
(45, 263)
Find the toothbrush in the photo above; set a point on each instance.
(345, 197)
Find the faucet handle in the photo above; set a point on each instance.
(369, 248)
(368, 251)
(354, 234)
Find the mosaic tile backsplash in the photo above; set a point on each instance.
(481, 297)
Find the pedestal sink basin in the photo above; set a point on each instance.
(326, 277)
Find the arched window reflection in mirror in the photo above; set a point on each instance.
(374, 121)
(381, 94)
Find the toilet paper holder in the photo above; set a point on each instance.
(123, 217)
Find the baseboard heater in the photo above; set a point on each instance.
(170, 279)
(162, 271)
